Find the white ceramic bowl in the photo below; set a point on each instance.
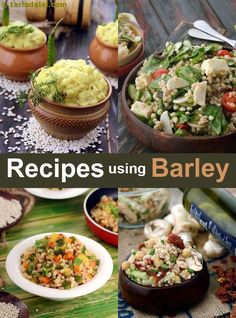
(65, 193)
(104, 272)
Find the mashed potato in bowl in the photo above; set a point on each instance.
(20, 35)
(108, 33)
(71, 82)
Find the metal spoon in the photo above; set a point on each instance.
(205, 27)
(195, 33)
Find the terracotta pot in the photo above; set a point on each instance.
(18, 64)
(165, 300)
(104, 56)
(69, 121)
(89, 203)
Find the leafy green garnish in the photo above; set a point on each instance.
(22, 98)
(164, 267)
(191, 271)
(152, 251)
(66, 284)
(189, 73)
(219, 123)
(77, 261)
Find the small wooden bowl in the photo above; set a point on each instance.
(122, 61)
(104, 56)
(10, 196)
(124, 70)
(18, 64)
(89, 203)
(69, 122)
(162, 142)
(11, 299)
(165, 300)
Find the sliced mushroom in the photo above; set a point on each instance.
(157, 228)
(194, 263)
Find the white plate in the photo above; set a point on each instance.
(57, 194)
(103, 274)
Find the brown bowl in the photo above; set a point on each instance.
(69, 121)
(165, 300)
(104, 56)
(18, 64)
(11, 299)
(124, 70)
(162, 142)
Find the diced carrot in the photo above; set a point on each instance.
(44, 280)
(68, 240)
(77, 269)
(93, 263)
(25, 265)
(58, 258)
(69, 256)
(51, 244)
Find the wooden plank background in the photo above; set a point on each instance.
(61, 216)
(159, 19)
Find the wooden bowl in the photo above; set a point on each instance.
(11, 299)
(137, 50)
(18, 64)
(162, 142)
(165, 300)
(69, 122)
(10, 196)
(125, 70)
(104, 56)
(89, 203)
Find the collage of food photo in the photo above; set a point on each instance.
(84, 77)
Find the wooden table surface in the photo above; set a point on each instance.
(158, 19)
(73, 45)
(58, 216)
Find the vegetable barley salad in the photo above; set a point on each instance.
(57, 261)
(163, 261)
(106, 213)
(188, 90)
(20, 35)
(128, 37)
(71, 82)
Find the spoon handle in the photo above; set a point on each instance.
(195, 33)
(205, 27)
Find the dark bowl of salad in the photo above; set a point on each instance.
(163, 276)
(101, 214)
(183, 99)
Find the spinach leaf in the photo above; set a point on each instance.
(198, 55)
(213, 47)
(189, 73)
(219, 123)
(151, 65)
(183, 118)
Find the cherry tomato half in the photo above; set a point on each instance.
(159, 72)
(224, 53)
(229, 101)
(182, 126)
